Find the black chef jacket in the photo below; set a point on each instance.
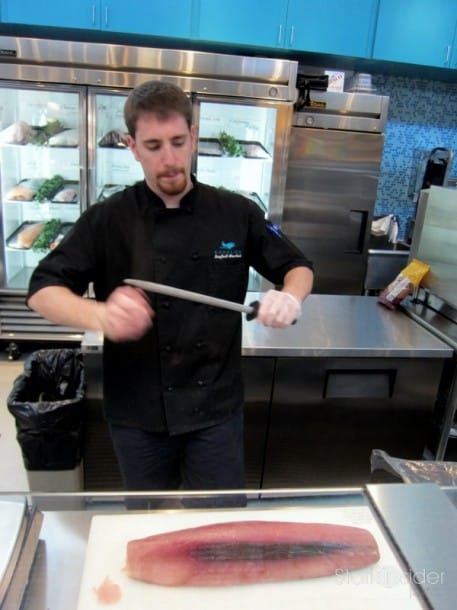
(185, 373)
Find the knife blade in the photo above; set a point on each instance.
(197, 297)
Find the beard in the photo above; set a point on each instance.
(172, 182)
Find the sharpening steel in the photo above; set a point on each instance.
(198, 297)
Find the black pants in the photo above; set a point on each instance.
(208, 459)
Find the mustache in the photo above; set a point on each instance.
(171, 170)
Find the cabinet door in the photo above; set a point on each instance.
(81, 14)
(416, 31)
(331, 26)
(453, 63)
(256, 23)
(151, 17)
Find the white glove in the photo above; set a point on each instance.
(278, 309)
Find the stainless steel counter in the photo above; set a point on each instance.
(332, 326)
(344, 326)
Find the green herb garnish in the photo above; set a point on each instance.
(230, 146)
(43, 241)
(41, 135)
(49, 188)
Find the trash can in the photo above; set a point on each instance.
(47, 403)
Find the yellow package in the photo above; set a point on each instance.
(410, 277)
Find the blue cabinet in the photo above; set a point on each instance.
(259, 23)
(82, 14)
(417, 32)
(331, 26)
(150, 17)
(327, 26)
(170, 18)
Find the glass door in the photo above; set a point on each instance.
(42, 185)
(242, 147)
(112, 165)
(236, 147)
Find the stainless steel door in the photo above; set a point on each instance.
(331, 185)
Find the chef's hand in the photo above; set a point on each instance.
(278, 309)
(126, 315)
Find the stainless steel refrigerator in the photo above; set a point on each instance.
(335, 153)
(62, 143)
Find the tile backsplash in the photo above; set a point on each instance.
(422, 116)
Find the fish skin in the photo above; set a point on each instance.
(207, 555)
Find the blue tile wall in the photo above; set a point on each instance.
(422, 116)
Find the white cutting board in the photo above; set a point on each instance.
(377, 587)
(11, 518)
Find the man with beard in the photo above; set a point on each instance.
(173, 392)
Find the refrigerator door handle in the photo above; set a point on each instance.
(358, 219)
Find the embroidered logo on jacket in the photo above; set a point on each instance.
(227, 249)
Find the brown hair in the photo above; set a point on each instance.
(157, 97)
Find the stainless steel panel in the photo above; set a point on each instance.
(17, 322)
(435, 241)
(440, 319)
(383, 266)
(126, 66)
(318, 440)
(331, 185)
(345, 111)
(422, 523)
(258, 381)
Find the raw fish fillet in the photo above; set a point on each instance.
(114, 138)
(20, 193)
(17, 133)
(28, 235)
(244, 552)
(66, 195)
(68, 137)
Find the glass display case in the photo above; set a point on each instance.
(42, 186)
(62, 131)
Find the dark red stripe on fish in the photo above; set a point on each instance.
(265, 552)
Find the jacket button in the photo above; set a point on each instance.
(163, 259)
(199, 344)
(165, 305)
(170, 388)
(195, 256)
(200, 383)
(167, 348)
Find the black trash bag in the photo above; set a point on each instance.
(47, 403)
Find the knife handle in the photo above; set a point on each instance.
(255, 308)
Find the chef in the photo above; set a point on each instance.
(173, 390)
